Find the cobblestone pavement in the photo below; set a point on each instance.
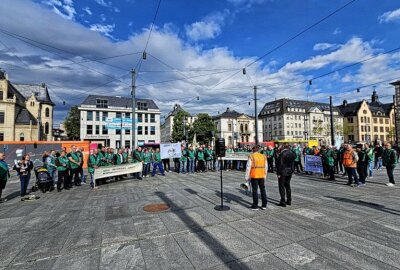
(329, 226)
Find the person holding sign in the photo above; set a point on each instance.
(4, 175)
(256, 172)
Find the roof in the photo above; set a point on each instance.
(230, 114)
(39, 90)
(14, 91)
(350, 109)
(281, 106)
(121, 102)
(23, 116)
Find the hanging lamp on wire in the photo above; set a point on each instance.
(144, 56)
(310, 82)
(244, 71)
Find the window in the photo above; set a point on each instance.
(127, 132)
(127, 115)
(369, 120)
(245, 127)
(47, 112)
(381, 129)
(118, 131)
(364, 112)
(105, 115)
(295, 125)
(97, 129)
(362, 137)
(288, 132)
(2, 116)
(299, 125)
(387, 129)
(362, 128)
(140, 142)
(145, 118)
(380, 121)
(386, 121)
(89, 129)
(230, 127)
(104, 130)
(21, 137)
(127, 143)
(350, 119)
(140, 130)
(1, 137)
(97, 116)
(375, 120)
(1, 95)
(152, 118)
(89, 116)
(142, 106)
(146, 130)
(46, 128)
(152, 130)
(351, 138)
(362, 119)
(375, 129)
(118, 115)
(101, 103)
(295, 117)
(140, 117)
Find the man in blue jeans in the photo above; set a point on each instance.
(183, 160)
(157, 163)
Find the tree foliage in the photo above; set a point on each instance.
(178, 133)
(72, 124)
(203, 127)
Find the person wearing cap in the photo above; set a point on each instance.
(256, 172)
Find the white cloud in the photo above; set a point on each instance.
(337, 31)
(103, 3)
(104, 29)
(246, 3)
(208, 28)
(324, 46)
(87, 10)
(390, 16)
(64, 8)
(117, 10)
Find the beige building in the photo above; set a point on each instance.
(237, 128)
(397, 108)
(26, 111)
(368, 121)
(168, 125)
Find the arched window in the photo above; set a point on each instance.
(47, 112)
(22, 137)
(46, 128)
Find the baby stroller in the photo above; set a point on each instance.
(44, 181)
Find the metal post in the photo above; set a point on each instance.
(395, 119)
(332, 127)
(120, 135)
(221, 207)
(133, 93)
(255, 113)
(233, 134)
(184, 130)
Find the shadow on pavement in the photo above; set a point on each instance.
(215, 246)
(367, 204)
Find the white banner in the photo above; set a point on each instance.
(115, 170)
(170, 150)
(236, 156)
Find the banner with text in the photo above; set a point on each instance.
(109, 171)
(170, 150)
(236, 156)
(118, 123)
(313, 164)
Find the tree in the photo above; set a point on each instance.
(177, 129)
(72, 124)
(203, 127)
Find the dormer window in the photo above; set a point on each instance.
(101, 103)
(32, 103)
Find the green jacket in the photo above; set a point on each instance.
(389, 158)
(209, 154)
(110, 159)
(118, 159)
(93, 161)
(297, 152)
(101, 156)
(329, 157)
(75, 157)
(4, 172)
(147, 157)
(200, 155)
(137, 157)
(191, 154)
(270, 153)
(370, 154)
(51, 163)
(156, 157)
(184, 155)
(62, 160)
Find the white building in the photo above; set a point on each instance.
(295, 120)
(168, 125)
(237, 128)
(100, 116)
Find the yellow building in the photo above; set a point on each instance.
(26, 111)
(368, 121)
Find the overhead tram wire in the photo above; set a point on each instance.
(289, 40)
(19, 58)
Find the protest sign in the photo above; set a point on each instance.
(313, 164)
(109, 171)
(170, 150)
(236, 156)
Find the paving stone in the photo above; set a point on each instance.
(164, 253)
(260, 261)
(375, 250)
(342, 255)
(117, 211)
(122, 256)
(87, 260)
(301, 258)
(149, 226)
(119, 230)
(83, 235)
(11, 246)
(38, 264)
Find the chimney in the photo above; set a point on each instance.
(228, 110)
(43, 85)
(345, 103)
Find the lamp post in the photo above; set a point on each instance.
(133, 93)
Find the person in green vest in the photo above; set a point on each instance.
(125, 154)
(370, 159)
(4, 176)
(101, 153)
(200, 160)
(389, 160)
(118, 159)
(297, 161)
(183, 160)
(137, 157)
(330, 156)
(147, 160)
(62, 170)
(51, 166)
(110, 157)
(209, 158)
(93, 163)
(229, 163)
(191, 159)
(74, 163)
(157, 163)
(80, 168)
(270, 153)
(239, 163)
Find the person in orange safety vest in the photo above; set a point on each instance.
(256, 172)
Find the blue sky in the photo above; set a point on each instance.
(199, 38)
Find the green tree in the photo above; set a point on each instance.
(72, 124)
(203, 127)
(177, 129)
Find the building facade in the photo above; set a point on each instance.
(295, 120)
(368, 121)
(107, 120)
(26, 111)
(237, 127)
(397, 108)
(168, 125)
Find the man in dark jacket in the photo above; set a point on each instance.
(285, 169)
(389, 159)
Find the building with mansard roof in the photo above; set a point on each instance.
(26, 111)
(168, 125)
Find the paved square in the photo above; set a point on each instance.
(329, 226)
